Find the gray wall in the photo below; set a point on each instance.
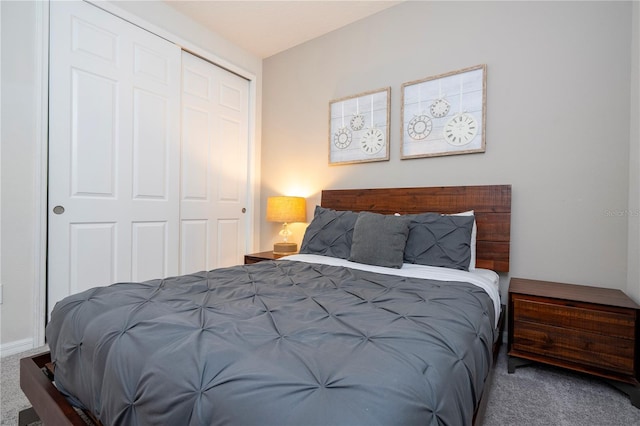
(633, 265)
(20, 117)
(558, 120)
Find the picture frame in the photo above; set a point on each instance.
(444, 114)
(359, 127)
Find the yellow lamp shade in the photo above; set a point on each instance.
(286, 209)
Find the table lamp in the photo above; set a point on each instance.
(286, 210)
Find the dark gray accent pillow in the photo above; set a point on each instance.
(379, 239)
(439, 240)
(329, 233)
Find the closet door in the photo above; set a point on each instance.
(114, 146)
(215, 138)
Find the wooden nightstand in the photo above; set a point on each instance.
(259, 257)
(588, 329)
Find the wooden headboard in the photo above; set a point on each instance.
(491, 203)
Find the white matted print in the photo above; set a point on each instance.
(359, 128)
(444, 114)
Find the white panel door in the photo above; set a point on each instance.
(215, 139)
(114, 149)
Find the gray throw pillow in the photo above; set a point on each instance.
(329, 233)
(439, 240)
(379, 239)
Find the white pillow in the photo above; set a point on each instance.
(474, 234)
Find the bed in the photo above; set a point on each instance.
(363, 327)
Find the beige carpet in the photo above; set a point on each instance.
(12, 400)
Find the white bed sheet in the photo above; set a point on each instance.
(486, 279)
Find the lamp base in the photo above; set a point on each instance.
(285, 248)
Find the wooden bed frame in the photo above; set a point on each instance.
(492, 209)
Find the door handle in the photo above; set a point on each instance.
(58, 209)
(244, 210)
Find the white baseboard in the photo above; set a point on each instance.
(15, 347)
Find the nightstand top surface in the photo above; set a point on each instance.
(573, 292)
(266, 255)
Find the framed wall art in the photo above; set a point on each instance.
(359, 128)
(444, 114)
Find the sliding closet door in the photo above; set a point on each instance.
(114, 147)
(215, 122)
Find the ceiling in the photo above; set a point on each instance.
(267, 27)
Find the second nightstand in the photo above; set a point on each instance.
(259, 257)
(588, 329)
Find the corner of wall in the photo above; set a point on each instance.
(633, 259)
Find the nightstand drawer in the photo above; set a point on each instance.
(248, 260)
(587, 348)
(610, 321)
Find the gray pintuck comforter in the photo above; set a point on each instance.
(275, 343)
